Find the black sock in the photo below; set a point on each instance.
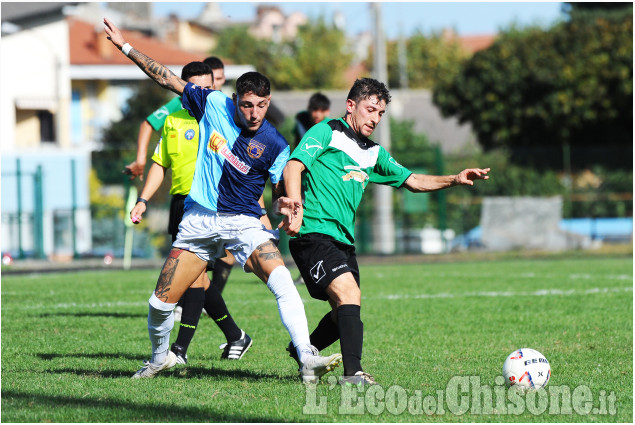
(351, 337)
(220, 274)
(217, 310)
(193, 301)
(326, 333)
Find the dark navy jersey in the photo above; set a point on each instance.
(233, 165)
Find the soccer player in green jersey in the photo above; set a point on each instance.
(340, 160)
(317, 110)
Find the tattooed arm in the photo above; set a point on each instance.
(159, 73)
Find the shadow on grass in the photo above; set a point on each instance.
(139, 412)
(213, 372)
(183, 373)
(97, 314)
(52, 356)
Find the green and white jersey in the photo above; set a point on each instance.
(157, 118)
(340, 164)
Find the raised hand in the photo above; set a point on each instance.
(114, 35)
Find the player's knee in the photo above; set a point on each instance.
(344, 291)
(202, 281)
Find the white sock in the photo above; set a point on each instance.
(291, 310)
(160, 324)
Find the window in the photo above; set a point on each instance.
(47, 127)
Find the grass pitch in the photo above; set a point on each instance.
(436, 336)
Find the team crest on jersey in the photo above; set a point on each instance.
(255, 149)
(189, 134)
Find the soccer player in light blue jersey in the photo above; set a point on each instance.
(238, 151)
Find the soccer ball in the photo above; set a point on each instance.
(526, 369)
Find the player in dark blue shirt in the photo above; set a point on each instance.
(238, 152)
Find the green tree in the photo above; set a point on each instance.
(315, 59)
(430, 59)
(410, 149)
(572, 84)
(238, 46)
(318, 57)
(120, 137)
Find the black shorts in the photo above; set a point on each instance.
(321, 259)
(177, 207)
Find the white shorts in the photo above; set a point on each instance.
(208, 233)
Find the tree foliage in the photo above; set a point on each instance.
(571, 84)
(315, 59)
(430, 60)
(410, 149)
(120, 137)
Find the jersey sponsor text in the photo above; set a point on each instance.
(218, 144)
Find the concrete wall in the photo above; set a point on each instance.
(415, 105)
(34, 75)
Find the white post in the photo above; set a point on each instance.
(383, 224)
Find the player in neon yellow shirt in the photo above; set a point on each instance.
(177, 150)
(156, 119)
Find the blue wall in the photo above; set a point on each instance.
(57, 182)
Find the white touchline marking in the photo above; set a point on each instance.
(106, 305)
(538, 293)
(78, 305)
(528, 275)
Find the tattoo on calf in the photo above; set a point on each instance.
(167, 274)
(268, 251)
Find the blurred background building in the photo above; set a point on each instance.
(60, 100)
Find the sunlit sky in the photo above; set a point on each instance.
(466, 18)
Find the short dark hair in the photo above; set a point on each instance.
(363, 88)
(194, 69)
(319, 102)
(214, 62)
(253, 82)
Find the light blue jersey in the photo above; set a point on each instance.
(233, 165)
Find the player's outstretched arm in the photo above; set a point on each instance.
(137, 167)
(424, 183)
(159, 73)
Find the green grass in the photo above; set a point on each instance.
(71, 341)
